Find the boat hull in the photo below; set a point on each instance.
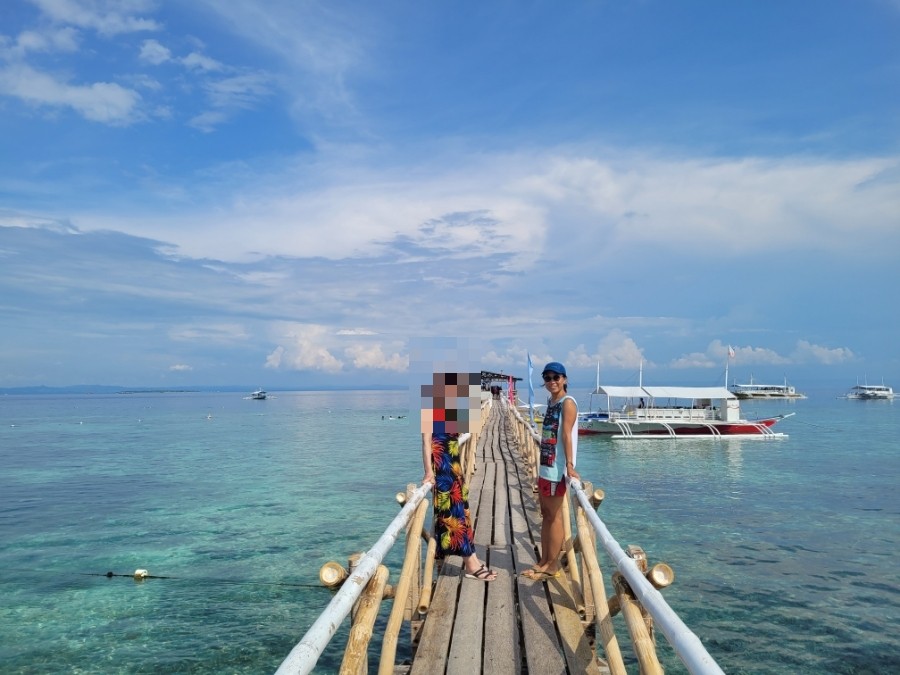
(644, 428)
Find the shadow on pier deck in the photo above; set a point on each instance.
(512, 624)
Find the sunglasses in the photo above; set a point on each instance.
(555, 378)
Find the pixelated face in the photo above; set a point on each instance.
(451, 404)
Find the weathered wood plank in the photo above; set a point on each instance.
(502, 652)
(468, 629)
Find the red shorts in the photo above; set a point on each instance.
(550, 489)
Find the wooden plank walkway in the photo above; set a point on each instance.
(511, 625)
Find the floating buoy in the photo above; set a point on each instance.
(140, 575)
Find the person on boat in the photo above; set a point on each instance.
(442, 421)
(559, 443)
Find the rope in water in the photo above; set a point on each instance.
(140, 575)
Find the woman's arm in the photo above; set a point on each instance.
(426, 458)
(567, 425)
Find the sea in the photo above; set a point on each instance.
(785, 551)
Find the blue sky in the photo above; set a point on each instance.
(280, 193)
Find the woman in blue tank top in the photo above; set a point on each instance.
(559, 445)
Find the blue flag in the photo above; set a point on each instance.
(530, 390)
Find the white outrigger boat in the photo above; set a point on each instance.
(674, 412)
(752, 390)
(870, 392)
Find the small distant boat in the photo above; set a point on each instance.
(870, 392)
(258, 395)
(753, 390)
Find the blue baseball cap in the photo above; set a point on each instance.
(555, 367)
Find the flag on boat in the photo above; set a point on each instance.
(530, 389)
(730, 352)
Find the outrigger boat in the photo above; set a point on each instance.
(870, 392)
(673, 412)
(753, 390)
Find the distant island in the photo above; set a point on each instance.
(118, 389)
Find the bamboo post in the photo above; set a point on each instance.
(585, 540)
(413, 542)
(355, 660)
(604, 620)
(644, 649)
(425, 597)
(392, 629)
(571, 560)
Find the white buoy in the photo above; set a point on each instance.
(140, 575)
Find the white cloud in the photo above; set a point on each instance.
(46, 40)
(373, 357)
(611, 206)
(806, 352)
(107, 17)
(356, 331)
(208, 121)
(220, 333)
(616, 350)
(154, 53)
(180, 368)
(105, 102)
(305, 347)
(196, 61)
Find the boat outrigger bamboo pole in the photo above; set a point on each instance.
(686, 644)
(303, 657)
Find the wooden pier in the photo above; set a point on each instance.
(510, 625)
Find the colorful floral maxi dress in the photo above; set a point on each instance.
(452, 525)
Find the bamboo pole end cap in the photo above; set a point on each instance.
(332, 574)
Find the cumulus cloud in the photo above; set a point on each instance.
(616, 350)
(373, 357)
(305, 348)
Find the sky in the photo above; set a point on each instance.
(284, 194)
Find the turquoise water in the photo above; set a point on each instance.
(784, 551)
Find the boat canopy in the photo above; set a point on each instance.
(622, 392)
(665, 392)
(689, 392)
